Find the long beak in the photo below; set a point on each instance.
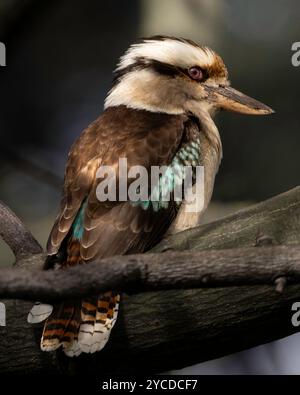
(227, 98)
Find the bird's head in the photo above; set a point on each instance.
(177, 76)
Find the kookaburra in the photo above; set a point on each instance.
(159, 111)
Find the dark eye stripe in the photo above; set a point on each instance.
(157, 66)
(165, 68)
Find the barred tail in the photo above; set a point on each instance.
(77, 326)
(97, 320)
(80, 326)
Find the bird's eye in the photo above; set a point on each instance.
(196, 73)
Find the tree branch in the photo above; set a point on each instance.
(275, 221)
(140, 273)
(15, 234)
(161, 330)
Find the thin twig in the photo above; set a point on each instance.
(16, 235)
(280, 283)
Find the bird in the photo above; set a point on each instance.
(159, 112)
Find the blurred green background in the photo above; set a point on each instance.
(60, 57)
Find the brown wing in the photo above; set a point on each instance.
(145, 139)
(83, 160)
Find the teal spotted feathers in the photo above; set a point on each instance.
(173, 177)
(77, 226)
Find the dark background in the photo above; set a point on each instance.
(60, 58)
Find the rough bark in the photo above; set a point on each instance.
(276, 220)
(140, 273)
(168, 329)
(159, 331)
